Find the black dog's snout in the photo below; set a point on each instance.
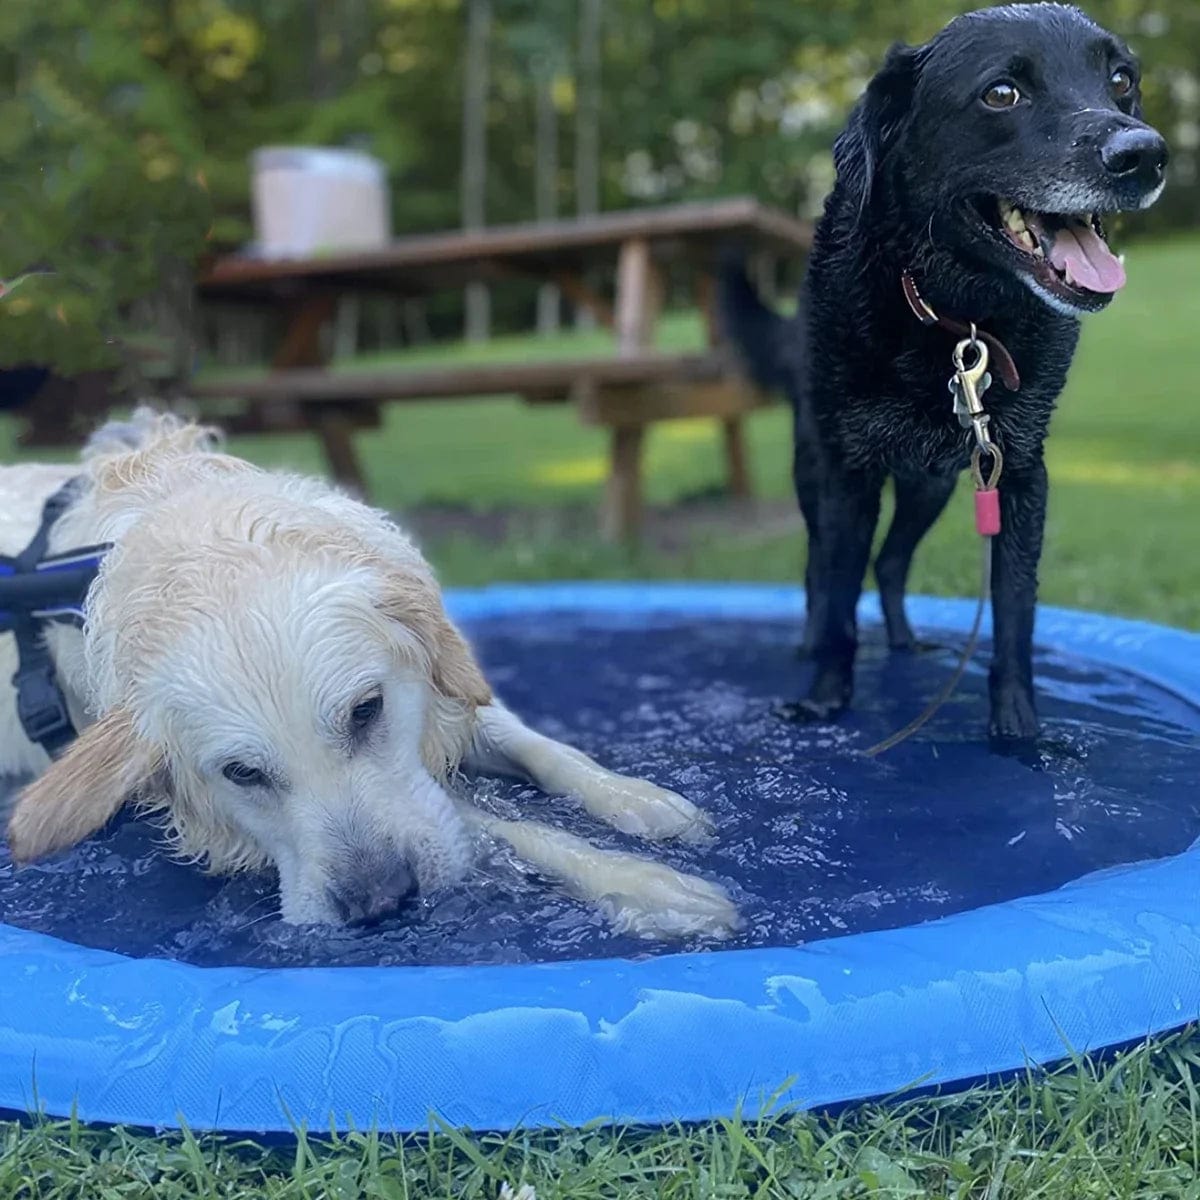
(1135, 154)
(367, 900)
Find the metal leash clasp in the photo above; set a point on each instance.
(970, 380)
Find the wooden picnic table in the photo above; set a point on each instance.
(625, 391)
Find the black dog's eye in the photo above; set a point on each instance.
(1121, 82)
(1002, 95)
(243, 776)
(363, 715)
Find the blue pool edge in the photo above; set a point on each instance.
(1102, 961)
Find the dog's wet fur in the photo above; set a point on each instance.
(931, 162)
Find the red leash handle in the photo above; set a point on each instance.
(987, 512)
(987, 494)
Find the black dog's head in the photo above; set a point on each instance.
(1003, 140)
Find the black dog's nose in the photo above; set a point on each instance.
(364, 901)
(1135, 154)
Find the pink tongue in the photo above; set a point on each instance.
(1080, 250)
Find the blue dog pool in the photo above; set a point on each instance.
(939, 914)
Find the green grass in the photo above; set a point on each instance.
(1125, 469)
(1124, 459)
(1113, 1132)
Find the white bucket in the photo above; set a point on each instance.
(313, 200)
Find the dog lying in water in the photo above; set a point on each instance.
(272, 672)
(975, 171)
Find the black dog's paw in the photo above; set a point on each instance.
(829, 698)
(1014, 721)
(914, 645)
(810, 712)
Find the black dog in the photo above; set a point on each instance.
(978, 165)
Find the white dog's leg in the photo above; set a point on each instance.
(645, 898)
(503, 745)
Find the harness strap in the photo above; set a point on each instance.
(924, 313)
(34, 590)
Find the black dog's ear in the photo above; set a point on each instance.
(875, 121)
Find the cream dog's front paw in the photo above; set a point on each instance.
(638, 895)
(643, 809)
(665, 904)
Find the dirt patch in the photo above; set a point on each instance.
(666, 528)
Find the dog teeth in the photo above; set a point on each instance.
(1014, 222)
(1014, 219)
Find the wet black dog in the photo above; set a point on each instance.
(981, 164)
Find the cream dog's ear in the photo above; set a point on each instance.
(80, 792)
(417, 605)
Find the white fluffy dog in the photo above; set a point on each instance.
(268, 666)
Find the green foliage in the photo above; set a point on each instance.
(100, 155)
(111, 113)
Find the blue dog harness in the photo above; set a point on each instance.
(37, 589)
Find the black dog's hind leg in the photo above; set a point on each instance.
(920, 500)
(1015, 556)
(849, 511)
(806, 475)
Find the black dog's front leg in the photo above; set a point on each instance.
(1015, 555)
(920, 500)
(848, 512)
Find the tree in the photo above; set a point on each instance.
(104, 187)
(537, 35)
(587, 120)
(474, 149)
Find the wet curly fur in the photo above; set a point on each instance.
(868, 382)
(267, 668)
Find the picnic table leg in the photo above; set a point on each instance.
(301, 347)
(733, 429)
(336, 432)
(737, 467)
(639, 299)
(622, 515)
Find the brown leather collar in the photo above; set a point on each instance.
(926, 315)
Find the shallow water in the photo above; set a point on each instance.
(814, 840)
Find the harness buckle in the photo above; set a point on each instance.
(41, 708)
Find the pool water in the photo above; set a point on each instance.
(814, 840)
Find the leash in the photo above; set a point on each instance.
(967, 385)
(931, 709)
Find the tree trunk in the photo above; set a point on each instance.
(546, 184)
(587, 123)
(474, 152)
(324, 46)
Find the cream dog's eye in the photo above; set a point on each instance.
(243, 776)
(365, 714)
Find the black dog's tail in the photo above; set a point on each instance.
(759, 334)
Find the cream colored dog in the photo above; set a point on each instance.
(268, 666)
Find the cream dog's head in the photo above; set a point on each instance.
(275, 674)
